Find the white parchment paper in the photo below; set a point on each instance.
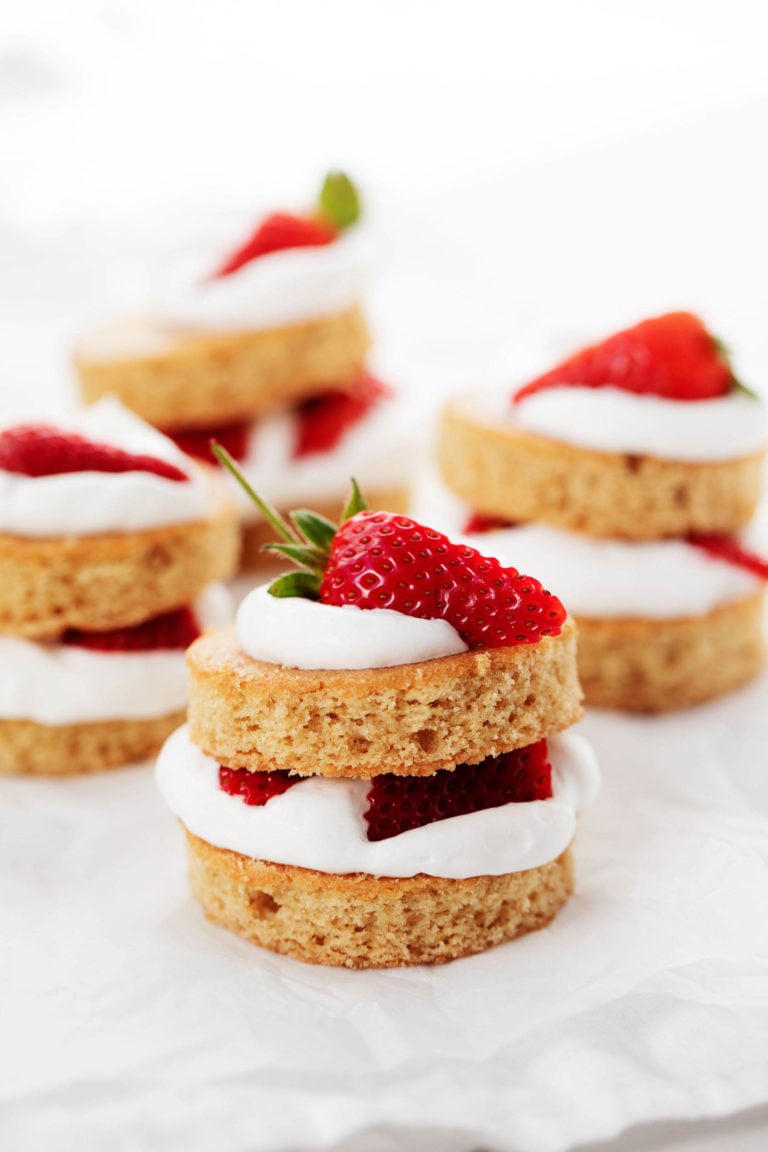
(129, 1022)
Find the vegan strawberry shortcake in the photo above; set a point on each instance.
(375, 770)
(632, 472)
(274, 322)
(110, 540)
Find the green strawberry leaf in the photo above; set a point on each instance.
(270, 514)
(315, 528)
(356, 503)
(737, 386)
(303, 584)
(305, 555)
(339, 201)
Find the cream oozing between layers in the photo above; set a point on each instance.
(299, 633)
(658, 579)
(92, 503)
(287, 287)
(376, 451)
(613, 420)
(51, 683)
(318, 823)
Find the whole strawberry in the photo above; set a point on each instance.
(383, 560)
(673, 356)
(44, 450)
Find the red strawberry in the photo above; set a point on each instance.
(173, 631)
(477, 524)
(197, 442)
(44, 450)
(324, 420)
(672, 356)
(255, 787)
(726, 548)
(275, 233)
(381, 560)
(399, 803)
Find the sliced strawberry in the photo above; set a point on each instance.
(673, 356)
(255, 787)
(398, 803)
(477, 524)
(726, 548)
(173, 631)
(197, 442)
(380, 560)
(276, 233)
(44, 450)
(324, 421)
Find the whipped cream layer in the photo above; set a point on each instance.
(318, 823)
(613, 420)
(376, 451)
(51, 683)
(659, 579)
(91, 503)
(298, 633)
(287, 287)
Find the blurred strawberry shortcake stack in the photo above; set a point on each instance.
(265, 351)
(633, 471)
(110, 541)
(375, 771)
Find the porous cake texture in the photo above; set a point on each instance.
(31, 749)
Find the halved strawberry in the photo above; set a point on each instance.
(255, 788)
(673, 356)
(726, 548)
(338, 207)
(477, 524)
(398, 803)
(324, 420)
(382, 560)
(173, 631)
(197, 442)
(44, 450)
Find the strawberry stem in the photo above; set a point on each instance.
(339, 200)
(270, 514)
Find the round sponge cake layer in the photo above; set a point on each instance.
(661, 665)
(501, 470)
(361, 921)
(103, 582)
(182, 378)
(27, 748)
(410, 720)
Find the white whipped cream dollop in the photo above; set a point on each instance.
(91, 503)
(318, 823)
(287, 287)
(658, 579)
(300, 633)
(51, 683)
(377, 451)
(613, 420)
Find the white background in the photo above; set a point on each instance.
(535, 172)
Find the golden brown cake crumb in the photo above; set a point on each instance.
(410, 720)
(361, 921)
(185, 378)
(659, 665)
(501, 470)
(113, 581)
(27, 748)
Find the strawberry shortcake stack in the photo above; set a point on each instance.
(265, 349)
(633, 471)
(375, 771)
(110, 543)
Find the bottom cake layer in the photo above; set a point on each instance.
(647, 665)
(27, 748)
(258, 532)
(362, 921)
